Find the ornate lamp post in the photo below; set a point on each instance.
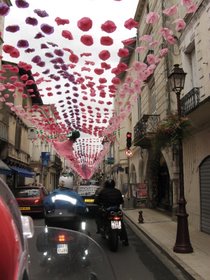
(182, 245)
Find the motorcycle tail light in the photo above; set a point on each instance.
(116, 218)
(62, 237)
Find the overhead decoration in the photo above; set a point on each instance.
(71, 67)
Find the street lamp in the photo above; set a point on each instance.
(182, 245)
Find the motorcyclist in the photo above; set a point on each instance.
(109, 196)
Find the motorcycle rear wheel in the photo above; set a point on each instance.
(113, 240)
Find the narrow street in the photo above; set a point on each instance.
(137, 261)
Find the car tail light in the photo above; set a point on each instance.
(36, 201)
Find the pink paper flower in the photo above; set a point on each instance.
(108, 26)
(186, 2)
(191, 8)
(180, 24)
(85, 24)
(170, 11)
(145, 38)
(131, 23)
(163, 52)
(152, 18)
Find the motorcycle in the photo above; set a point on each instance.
(57, 253)
(112, 226)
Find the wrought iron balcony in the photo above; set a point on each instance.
(190, 101)
(144, 130)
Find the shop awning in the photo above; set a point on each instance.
(4, 169)
(22, 171)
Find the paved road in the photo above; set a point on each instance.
(137, 261)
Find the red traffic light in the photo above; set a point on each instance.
(129, 135)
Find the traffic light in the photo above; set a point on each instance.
(128, 140)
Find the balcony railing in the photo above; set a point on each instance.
(190, 100)
(145, 130)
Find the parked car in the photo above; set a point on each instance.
(14, 232)
(30, 199)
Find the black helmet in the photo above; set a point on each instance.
(109, 184)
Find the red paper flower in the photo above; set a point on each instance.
(102, 80)
(106, 41)
(73, 58)
(123, 52)
(61, 21)
(85, 24)
(131, 23)
(105, 65)
(104, 55)
(108, 26)
(116, 81)
(99, 71)
(67, 34)
(87, 40)
(128, 41)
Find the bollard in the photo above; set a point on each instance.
(141, 219)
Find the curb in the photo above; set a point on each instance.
(186, 270)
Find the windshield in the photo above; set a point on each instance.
(57, 253)
(27, 193)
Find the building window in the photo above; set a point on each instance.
(191, 67)
(18, 136)
(152, 97)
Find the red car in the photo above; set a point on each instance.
(30, 199)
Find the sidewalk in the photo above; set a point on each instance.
(161, 230)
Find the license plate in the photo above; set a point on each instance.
(116, 224)
(89, 200)
(62, 249)
(25, 208)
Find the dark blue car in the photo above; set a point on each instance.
(64, 207)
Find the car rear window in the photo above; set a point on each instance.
(87, 190)
(27, 193)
